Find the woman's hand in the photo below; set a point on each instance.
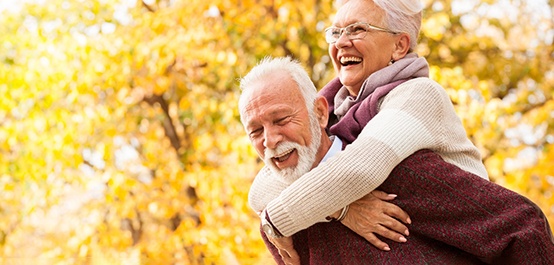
(372, 215)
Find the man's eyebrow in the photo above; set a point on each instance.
(251, 124)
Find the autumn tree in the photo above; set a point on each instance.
(120, 141)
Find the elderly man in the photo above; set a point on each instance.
(458, 217)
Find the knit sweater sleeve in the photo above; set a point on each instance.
(415, 115)
(266, 187)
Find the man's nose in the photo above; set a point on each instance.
(272, 136)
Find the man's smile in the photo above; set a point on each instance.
(284, 160)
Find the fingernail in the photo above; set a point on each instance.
(392, 195)
(409, 221)
(407, 232)
(386, 248)
(403, 239)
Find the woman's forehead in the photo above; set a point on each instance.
(358, 11)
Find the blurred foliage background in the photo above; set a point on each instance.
(120, 141)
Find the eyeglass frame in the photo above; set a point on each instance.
(349, 34)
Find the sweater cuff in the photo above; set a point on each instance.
(281, 219)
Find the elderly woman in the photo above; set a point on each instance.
(371, 46)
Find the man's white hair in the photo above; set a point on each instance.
(269, 66)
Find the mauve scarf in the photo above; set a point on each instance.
(349, 115)
(408, 67)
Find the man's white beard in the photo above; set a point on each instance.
(306, 154)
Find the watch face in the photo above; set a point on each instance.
(268, 229)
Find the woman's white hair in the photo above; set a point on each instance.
(403, 16)
(268, 66)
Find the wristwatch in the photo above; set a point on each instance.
(268, 228)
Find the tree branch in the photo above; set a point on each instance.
(169, 127)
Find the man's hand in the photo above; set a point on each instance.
(286, 250)
(373, 214)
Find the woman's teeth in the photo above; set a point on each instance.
(350, 60)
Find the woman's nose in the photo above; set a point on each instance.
(343, 40)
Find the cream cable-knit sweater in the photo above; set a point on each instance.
(417, 114)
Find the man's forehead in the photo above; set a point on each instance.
(275, 86)
(269, 103)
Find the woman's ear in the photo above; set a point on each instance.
(401, 46)
(322, 111)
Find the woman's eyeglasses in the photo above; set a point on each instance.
(354, 31)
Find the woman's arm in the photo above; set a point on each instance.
(266, 187)
(411, 117)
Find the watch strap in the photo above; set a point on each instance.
(268, 227)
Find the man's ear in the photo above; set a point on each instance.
(401, 46)
(322, 111)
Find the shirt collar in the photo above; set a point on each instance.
(334, 149)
